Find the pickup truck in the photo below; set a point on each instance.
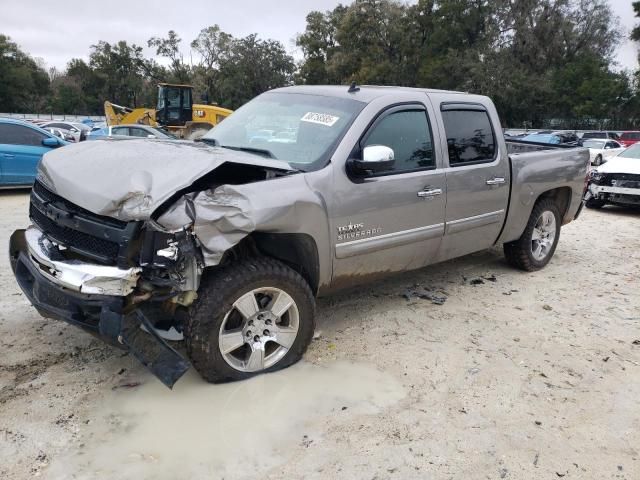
(224, 244)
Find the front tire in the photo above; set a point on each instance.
(252, 316)
(537, 244)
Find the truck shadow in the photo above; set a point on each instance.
(459, 271)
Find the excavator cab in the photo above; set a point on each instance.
(175, 105)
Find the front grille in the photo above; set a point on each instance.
(73, 238)
(49, 197)
(623, 180)
(104, 239)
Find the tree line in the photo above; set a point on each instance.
(545, 63)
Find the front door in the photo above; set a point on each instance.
(20, 151)
(392, 220)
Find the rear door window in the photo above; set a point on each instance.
(470, 136)
(138, 132)
(120, 131)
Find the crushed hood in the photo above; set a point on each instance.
(621, 165)
(129, 179)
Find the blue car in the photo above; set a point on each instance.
(22, 145)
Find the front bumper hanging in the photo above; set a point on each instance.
(92, 297)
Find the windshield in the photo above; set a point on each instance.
(300, 129)
(593, 144)
(632, 152)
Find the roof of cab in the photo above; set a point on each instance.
(366, 93)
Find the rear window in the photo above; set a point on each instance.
(593, 144)
(470, 137)
(594, 135)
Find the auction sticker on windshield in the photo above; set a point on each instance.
(320, 118)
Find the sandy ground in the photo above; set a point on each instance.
(522, 376)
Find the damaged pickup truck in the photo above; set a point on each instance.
(224, 244)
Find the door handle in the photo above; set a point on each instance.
(8, 155)
(430, 192)
(496, 181)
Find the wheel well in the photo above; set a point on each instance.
(561, 196)
(297, 250)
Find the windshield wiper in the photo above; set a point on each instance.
(210, 141)
(258, 151)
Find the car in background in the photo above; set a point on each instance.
(601, 150)
(629, 138)
(601, 135)
(553, 138)
(22, 145)
(616, 182)
(137, 131)
(77, 129)
(62, 133)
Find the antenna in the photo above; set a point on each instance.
(353, 88)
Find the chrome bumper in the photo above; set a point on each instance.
(87, 278)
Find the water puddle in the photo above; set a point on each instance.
(235, 430)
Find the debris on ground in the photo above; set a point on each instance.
(126, 385)
(547, 307)
(476, 281)
(490, 278)
(435, 296)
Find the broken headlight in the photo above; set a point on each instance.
(595, 176)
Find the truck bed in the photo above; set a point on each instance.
(538, 168)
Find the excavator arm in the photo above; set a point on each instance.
(118, 115)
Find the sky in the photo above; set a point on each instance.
(58, 34)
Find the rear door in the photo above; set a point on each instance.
(478, 178)
(392, 220)
(20, 151)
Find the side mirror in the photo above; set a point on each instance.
(375, 158)
(51, 142)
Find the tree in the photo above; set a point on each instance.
(512, 50)
(120, 70)
(249, 67)
(170, 48)
(24, 84)
(211, 45)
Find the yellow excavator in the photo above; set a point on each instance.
(175, 112)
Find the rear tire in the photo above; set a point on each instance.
(537, 244)
(594, 203)
(234, 331)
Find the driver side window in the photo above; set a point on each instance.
(407, 133)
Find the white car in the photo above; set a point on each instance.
(617, 181)
(77, 129)
(602, 150)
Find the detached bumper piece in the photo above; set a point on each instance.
(57, 290)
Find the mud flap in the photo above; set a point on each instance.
(151, 350)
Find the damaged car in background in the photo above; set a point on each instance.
(224, 244)
(617, 182)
